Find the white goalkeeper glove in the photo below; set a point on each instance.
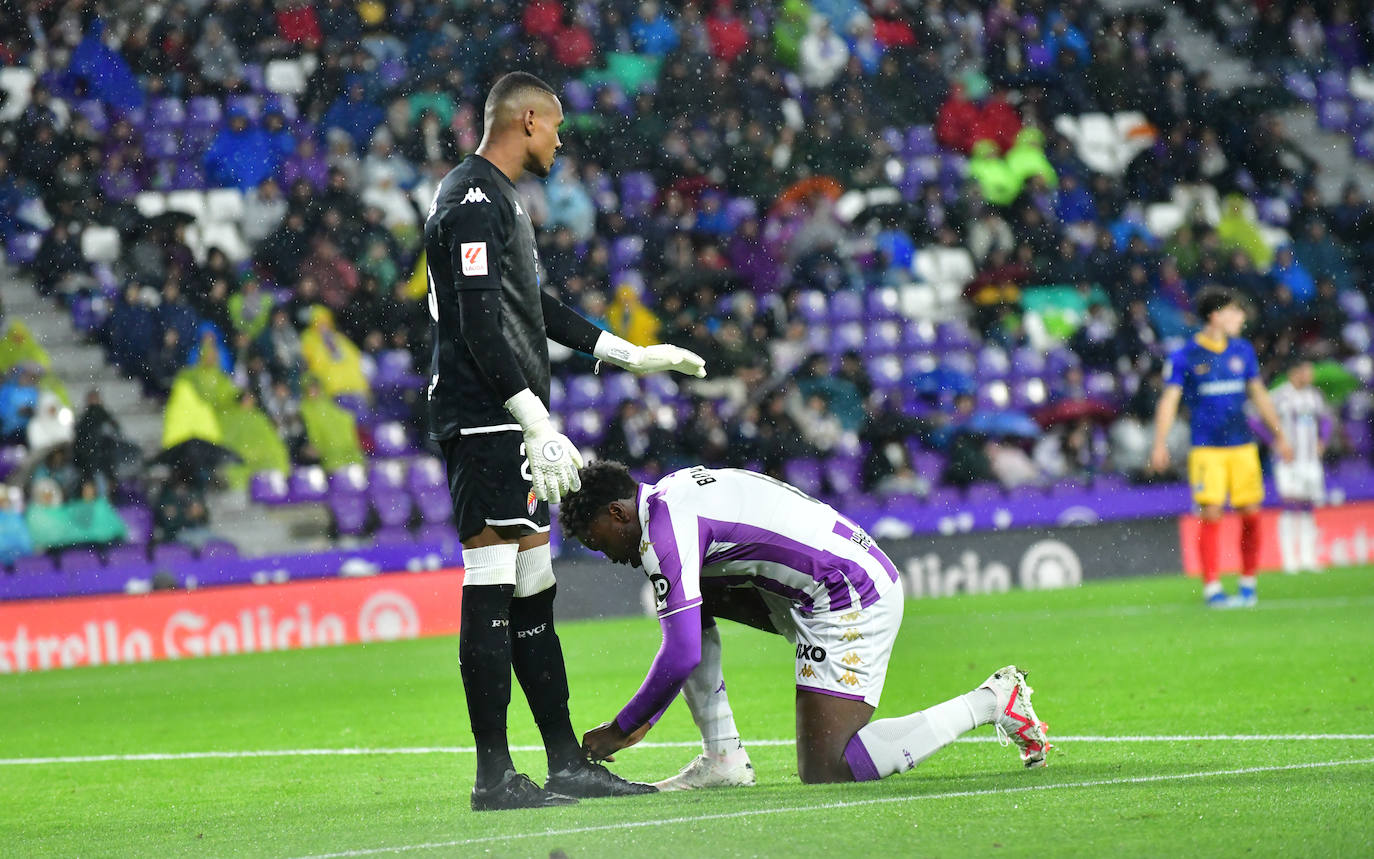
(648, 359)
(553, 460)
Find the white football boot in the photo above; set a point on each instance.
(706, 771)
(1016, 720)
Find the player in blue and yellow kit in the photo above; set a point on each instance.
(1213, 375)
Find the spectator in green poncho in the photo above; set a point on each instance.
(1027, 158)
(332, 431)
(997, 180)
(1235, 230)
(247, 431)
(249, 308)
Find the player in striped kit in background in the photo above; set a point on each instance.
(1301, 483)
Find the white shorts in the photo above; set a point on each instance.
(842, 653)
(1300, 481)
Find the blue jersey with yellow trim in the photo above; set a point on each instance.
(1215, 383)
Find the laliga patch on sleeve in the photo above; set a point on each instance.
(474, 258)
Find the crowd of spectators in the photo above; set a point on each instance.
(780, 104)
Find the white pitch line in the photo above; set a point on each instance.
(701, 818)
(683, 744)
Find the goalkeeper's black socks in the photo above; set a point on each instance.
(484, 654)
(538, 659)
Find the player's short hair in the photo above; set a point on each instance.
(1213, 298)
(510, 87)
(603, 481)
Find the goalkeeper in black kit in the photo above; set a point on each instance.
(488, 404)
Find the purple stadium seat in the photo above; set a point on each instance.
(351, 479)
(94, 112)
(250, 104)
(187, 176)
(583, 392)
(126, 556)
(350, 513)
(953, 335)
(843, 474)
(817, 337)
(637, 194)
(1027, 362)
(919, 362)
(167, 113)
(1334, 115)
(585, 426)
(161, 143)
(846, 307)
(11, 457)
(846, 337)
(389, 439)
(960, 362)
(39, 585)
(918, 337)
(626, 252)
(434, 505)
(139, 521)
(927, 464)
(33, 565)
(884, 338)
(1332, 84)
(881, 304)
(306, 485)
(944, 499)
(811, 305)
(920, 140)
(885, 371)
(993, 396)
(578, 96)
(96, 580)
(218, 550)
(22, 248)
(993, 363)
(393, 535)
(982, 493)
(659, 386)
(619, 387)
(426, 473)
(268, 487)
(1301, 85)
(805, 474)
(172, 556)
(393, 508)
(77, 560)
(389, 473)
(204, 111)
(439, 534)
(740, 209)
(1101, 385)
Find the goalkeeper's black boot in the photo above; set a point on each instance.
(587, 780)
(516, 790)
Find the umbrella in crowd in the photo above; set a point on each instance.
(195, 454)
(1077, 409)
(1001, 424)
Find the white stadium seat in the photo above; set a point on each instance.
(285, 76)
(224, 205)
(190, 202)
(150, 203)
(100, 244)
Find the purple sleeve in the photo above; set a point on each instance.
(1258, 427)
(677, 656)
(1324, 427)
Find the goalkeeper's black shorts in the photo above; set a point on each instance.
(489, 481)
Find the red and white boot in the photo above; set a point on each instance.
(1016, 720)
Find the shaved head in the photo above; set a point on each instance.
(521, 120)
(511, 97)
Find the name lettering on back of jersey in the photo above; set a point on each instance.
(474, 256)
(474, 195)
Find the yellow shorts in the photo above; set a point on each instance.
(1216, 472)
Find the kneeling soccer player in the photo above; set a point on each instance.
(826, 586)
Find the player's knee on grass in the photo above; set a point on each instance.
(825, 725)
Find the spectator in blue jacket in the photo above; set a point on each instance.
(354, 114)
(241, 155)
(1291, 273)
(14, 534)
(652, 32)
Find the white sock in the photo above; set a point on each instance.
(1248, 582)
(1211, 589)
(1307, 526)
(1288, 541)
(890, 746)
(706, 699)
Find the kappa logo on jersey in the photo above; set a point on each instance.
(851, 659)
(813, 652)
(531, 502)
(850, 618)
(807, 671)
(850, 678)
(474, 195)
(474, 256)
(852, 635)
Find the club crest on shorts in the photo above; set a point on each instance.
(531, 502)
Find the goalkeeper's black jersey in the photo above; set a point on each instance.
(478, 236)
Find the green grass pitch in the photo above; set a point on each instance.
(1112, 664)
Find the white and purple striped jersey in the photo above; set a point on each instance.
(1305, 419)
(743, 528)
